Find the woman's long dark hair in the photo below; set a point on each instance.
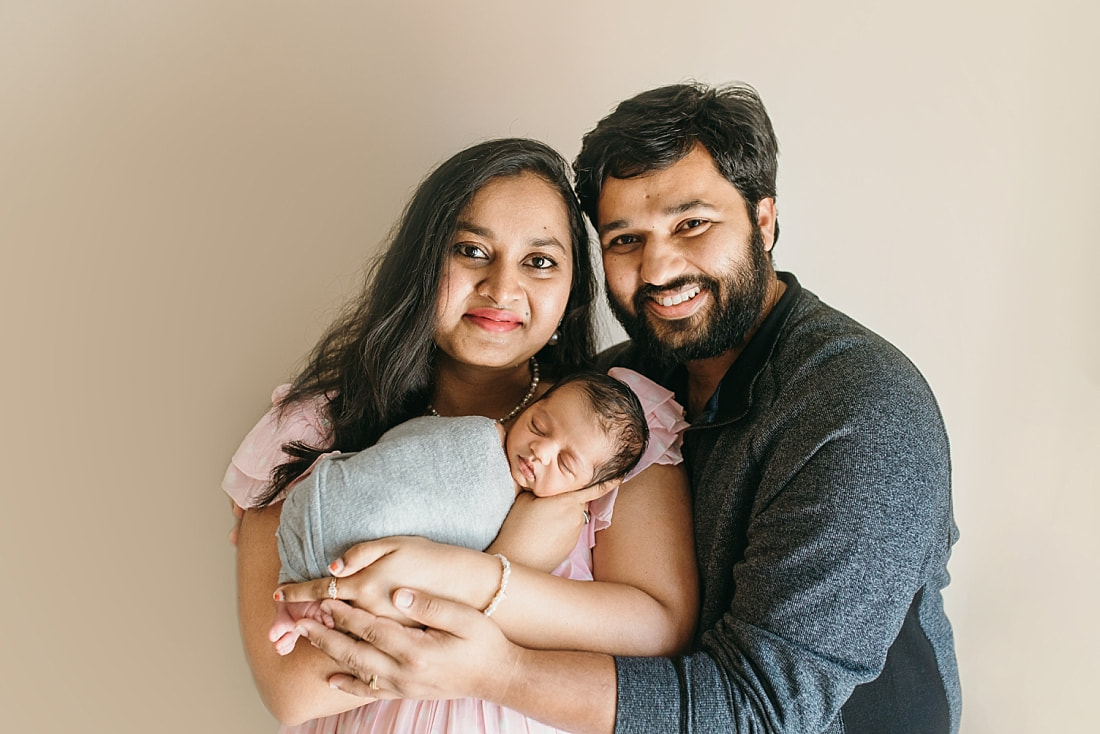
(374, 364)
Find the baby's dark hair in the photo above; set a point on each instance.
(620, 414)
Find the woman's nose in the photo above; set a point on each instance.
(501, 285)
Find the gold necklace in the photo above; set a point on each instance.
(533, 365)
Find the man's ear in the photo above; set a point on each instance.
(765, 219)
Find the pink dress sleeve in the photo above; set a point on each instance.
(666, 422)
(262, 449)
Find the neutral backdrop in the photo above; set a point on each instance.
(188, 191)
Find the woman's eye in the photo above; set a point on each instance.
(472, 251)
(541, 262)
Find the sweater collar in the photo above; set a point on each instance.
(734, 394)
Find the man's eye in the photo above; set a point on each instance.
(623, 242)
(693, 224)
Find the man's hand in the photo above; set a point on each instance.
(458, 652)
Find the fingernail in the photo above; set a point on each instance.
(278, 595)
(336, 566)
(403, 598)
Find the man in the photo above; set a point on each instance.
(819, 462)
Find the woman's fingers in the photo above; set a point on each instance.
(315, 590)
(360, 556)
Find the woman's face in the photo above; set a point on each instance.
(507, 278)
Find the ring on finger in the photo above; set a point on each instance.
(332, 590)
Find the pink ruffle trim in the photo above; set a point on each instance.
(664, 415)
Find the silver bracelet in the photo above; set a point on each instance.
(505, 572)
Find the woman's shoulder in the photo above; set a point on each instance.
(261, 450)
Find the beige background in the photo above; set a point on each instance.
(188, 189)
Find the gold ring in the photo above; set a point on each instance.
(332, 592)
(373, 682)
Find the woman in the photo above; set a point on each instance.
(486, 287)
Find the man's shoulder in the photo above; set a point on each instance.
(822, 348)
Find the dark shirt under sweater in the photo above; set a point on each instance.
(823, 525)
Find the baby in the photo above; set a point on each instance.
(448, 479)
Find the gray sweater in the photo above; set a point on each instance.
(823, 526)
(446, 479)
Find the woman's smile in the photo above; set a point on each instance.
(493, 319)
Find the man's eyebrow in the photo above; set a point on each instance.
(617, 224)
(671, 210)
(480, 231)
(688, 206)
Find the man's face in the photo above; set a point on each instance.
(687, 267)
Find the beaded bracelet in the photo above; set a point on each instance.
(505, 572)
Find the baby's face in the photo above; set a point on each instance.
(557, 444)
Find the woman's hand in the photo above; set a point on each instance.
(368, 574)
(540, 532)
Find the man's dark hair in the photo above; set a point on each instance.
(619, 413)
(655, 129)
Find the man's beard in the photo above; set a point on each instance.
(737, 303)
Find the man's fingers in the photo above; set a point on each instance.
(354, 686)
(358, 658)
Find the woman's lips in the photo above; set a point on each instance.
(492, 319)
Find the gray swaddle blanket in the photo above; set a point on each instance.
(446, 479)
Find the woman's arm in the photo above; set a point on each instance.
(294, 688)
(643, 601)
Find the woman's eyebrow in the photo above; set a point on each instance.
(551, 242)
(464, 226)
(480, 231)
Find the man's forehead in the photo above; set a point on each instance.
(621, 203)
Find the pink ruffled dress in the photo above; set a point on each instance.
(261, 451)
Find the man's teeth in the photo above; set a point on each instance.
(679, 297)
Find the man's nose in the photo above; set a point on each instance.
(662, 261)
